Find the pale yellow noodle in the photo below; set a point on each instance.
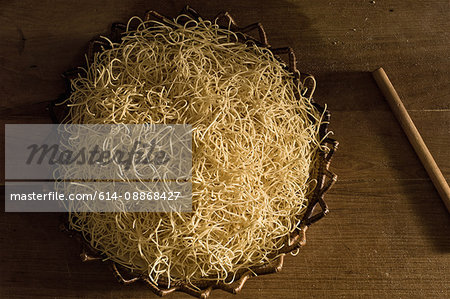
(254, 145)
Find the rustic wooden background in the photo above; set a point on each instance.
(388, 234)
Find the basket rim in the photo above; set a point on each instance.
(325, 178)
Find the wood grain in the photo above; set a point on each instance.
(387, 234)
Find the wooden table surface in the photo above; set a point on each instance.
(388, 233)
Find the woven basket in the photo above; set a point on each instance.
(325, 178)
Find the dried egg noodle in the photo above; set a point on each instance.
(255, 141)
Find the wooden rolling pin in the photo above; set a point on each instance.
(413, 135)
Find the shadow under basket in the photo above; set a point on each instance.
(325, 178)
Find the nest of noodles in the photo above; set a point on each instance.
(261, 150)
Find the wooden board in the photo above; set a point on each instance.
(388, 234)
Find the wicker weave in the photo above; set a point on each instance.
(325, 178)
